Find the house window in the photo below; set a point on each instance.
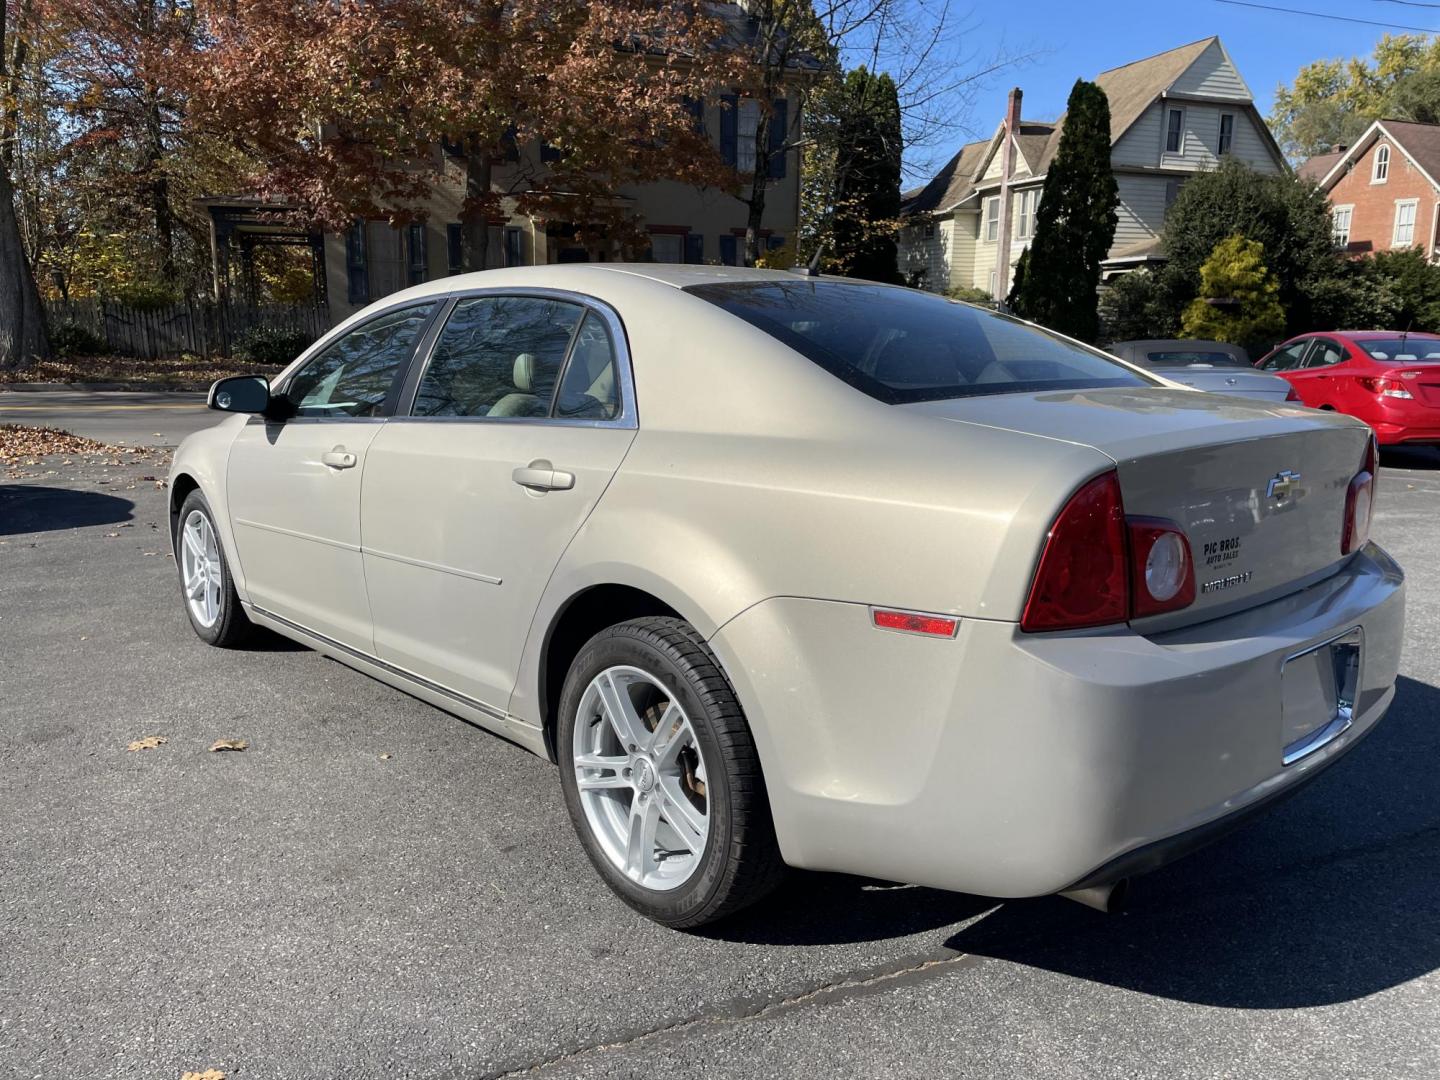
(929, 230)
(1227, 133)
(1404, 223)
(357, 270)
(454, 249)
(1340, 225)
(417, 265)
(992, 219)
(667, 247)
(1172, 192)
(746, 120)
(1380, 171)
(1026, 228)
(1175, 131)
(514, 248)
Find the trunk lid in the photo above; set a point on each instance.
(1259, 489)
(1218, 380)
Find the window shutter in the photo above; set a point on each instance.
(774, 242)
(729, 115)
(418, 254)
(356, 267)
(779, 129)
(694, 247)
(727, 250)
(696, 108)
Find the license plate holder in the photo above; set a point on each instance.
(1318, 693)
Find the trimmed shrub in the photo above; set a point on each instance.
(72, 339)
(271, 345)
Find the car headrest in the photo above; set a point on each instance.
(524, 374)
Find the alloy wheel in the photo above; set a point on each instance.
(200, 568)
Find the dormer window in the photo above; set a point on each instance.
(1380, 172)
(1174, 131)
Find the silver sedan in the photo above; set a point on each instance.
(784, 570)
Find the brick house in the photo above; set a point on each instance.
(1171, 115)
(1382, 190)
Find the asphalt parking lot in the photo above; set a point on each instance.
(376, 889)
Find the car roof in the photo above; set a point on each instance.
(1374, 335)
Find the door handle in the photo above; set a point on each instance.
(339, 458)
(540, 475)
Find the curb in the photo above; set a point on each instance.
(137, 388)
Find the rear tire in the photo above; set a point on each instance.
(669, 802)
(206, 586)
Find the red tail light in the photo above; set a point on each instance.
(1384, 386)
(1100, 567)
(1360, 503)
(1293, 395)
(1082, 579)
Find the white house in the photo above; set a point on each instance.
(1171, 116)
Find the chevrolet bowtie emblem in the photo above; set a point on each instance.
(1282, 484)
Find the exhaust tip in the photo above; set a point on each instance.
(1110, 899)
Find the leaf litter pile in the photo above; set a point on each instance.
(21, 444)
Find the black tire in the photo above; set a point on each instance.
(741, 860)
(232, 627)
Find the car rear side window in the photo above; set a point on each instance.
(899, 345)
(498, 356)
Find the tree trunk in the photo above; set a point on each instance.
(755, 204)
(22, 319)
(475, 218)
(159, 188)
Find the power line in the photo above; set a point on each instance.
(1323, 15)
(1408, 3)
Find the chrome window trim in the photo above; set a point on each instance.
(628, 417)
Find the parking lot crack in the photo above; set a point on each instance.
(876, 981)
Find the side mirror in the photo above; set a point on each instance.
(240, 394)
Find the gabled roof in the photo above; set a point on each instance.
(950, 185)
(1420, 143)
(1131, 89)
(1316, 167)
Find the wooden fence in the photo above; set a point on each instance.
(204, 328)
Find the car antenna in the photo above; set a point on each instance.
(812, 268)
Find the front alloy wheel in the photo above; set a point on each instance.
(205, 583)
(661, 776)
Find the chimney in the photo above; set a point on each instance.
(1012, 113)
(1007, 171)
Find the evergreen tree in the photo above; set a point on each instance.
(1016, 300)
(1075, 224)
(867, 183)
(1248, 311)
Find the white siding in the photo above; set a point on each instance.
(1143, 144)
(924, 258)
(993, 170)
(1212, 75)
(1142, 209)
(961, 241)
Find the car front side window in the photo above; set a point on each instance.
(498, 356)
(353, 377)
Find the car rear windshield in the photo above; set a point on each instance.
(900, 345)
(1194, 359)
(1411, 350)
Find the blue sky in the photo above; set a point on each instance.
(1074, 38)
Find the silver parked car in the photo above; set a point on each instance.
(793, 570)
(1213, 366)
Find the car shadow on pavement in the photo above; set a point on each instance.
(25, 508)
(1330, 898)
(1421, 458)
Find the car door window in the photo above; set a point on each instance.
(353, 376)
(589, 390)
(498, 356)
(1287, 357)
(1324, 354)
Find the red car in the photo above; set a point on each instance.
(1388, 379)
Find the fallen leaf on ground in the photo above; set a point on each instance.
(229, 744)
(21, 442)
(150, 742)
(386, 757)
(208, 1074)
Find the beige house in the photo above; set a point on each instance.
(685, 224)
(1171, 116)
